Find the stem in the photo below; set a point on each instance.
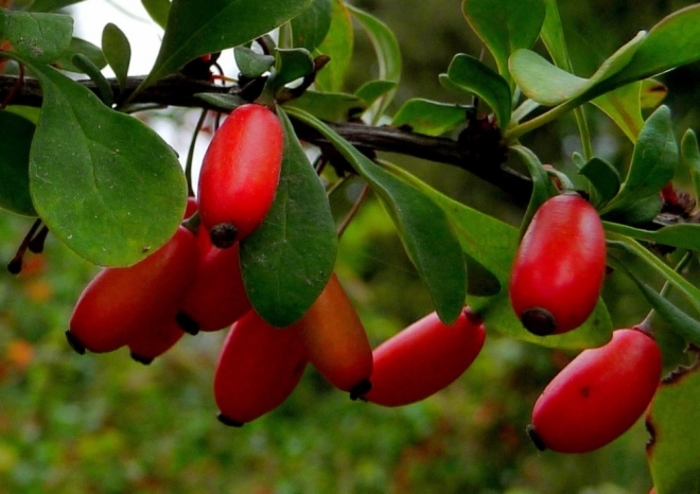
(355, 208)
(190, 151)
(515, 132)
(585, 133)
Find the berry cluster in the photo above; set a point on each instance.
(555, 284)
(194, 283)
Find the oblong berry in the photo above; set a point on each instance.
(258, 367)
(120, 302)
(424, 358)
(240, 173)
(599, 395)
(154, 341)
(559, 267)
(336, 341)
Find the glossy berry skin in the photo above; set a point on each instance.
(599, 395)
(154, 341)
(335, 340)
(217, 297)
(120, 302)
(258, 368)
(559, 267)
(240, 173)
(424, 358)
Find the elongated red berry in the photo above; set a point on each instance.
(240, 173)
(217, 297)
(154, 341)
(599, 395)
(259, 366)
(559, 268)
(424, 358)
(336, 342)
(120, 302)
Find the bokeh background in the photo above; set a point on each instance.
(106, 424)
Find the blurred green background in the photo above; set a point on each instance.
(106, 424)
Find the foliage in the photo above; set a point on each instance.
(90, 168)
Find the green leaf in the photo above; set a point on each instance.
(430, 117)
(84, 64)
(371, 91)
(542, 186)
(505, 26)
(104, 183)
(288, 260)
(310, 27)
(292, 64)
(653, 162)
(690, 158)
(425, 230)
(673, 418)
(208, 26)
(251, 63)
(552, 36)
(331, 107)
(157, 10)
(17, 133)
(681, 235)
(225, 102)
(50, 5)
(492, 244)
(551, 86)
(652, 94)
(338, 45)
(682, 323)
(117, 50)
(672, 42)
(604, 178)
(81, 47)
(37, 37)
(637, 212)
(474, 77)
(388, 54)
(624, 106)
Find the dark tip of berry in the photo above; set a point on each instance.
(223, 235)
(186, 323)
(75, 343)
(535, 437)
(360, 389)
(140, 359)
(227, 421)
(539, 321)
(15, 266)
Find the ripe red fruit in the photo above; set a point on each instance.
(217, 297)
(336, 342)
(599, 395)
(240, 173)
(259, 366)
(424, 358)
(154, 341)
(558, 270)
(120, 302)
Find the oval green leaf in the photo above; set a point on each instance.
(288, 260)
(17, 133)
(208, 26)
(474, 77)
(338, 45)
(157, 10)
(430, 117)
(310, 27)
(104, 183)
(505, 25)
(117, 51)
(36, 36)
(82, 47)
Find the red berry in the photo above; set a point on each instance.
(424, 358)
(259, 366)
(217, 297)
(154, 341)
(558, 270)
(335, 340)
(240, 173)
(120, 302)
(599, 395)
